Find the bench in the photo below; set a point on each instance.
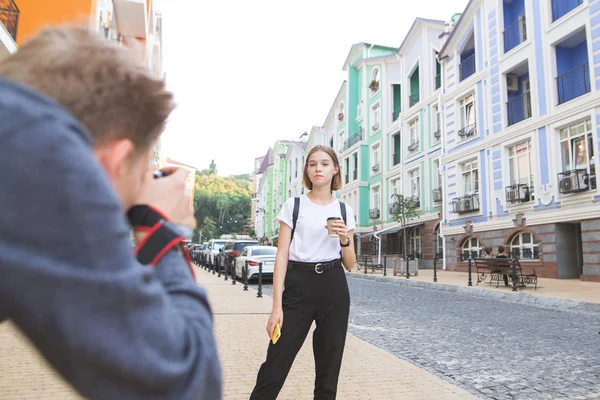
(367, 261)
(501, 268)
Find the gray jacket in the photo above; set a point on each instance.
(68, 278)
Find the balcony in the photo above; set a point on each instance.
(466, 67)
(437, 194)
(518, 193)
(519, 108)
(396, 158)
(573, 83)
(396, 114)
(562, 7)
(466, 204)
(392, 209)
(374, 213)
(416, 201)
(413, 98)
(376, 168)
(355, 138)
(515, 34)
(574, 181)
(9, 16)
(413, 147)
(467, 132)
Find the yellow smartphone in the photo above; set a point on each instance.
(276, 334)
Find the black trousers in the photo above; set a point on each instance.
(308, 297)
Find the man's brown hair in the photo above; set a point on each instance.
(103, 85)
(336, 182)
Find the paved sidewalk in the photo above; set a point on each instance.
(565, 289)
(367, 371)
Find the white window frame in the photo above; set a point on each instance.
(520, 245)
(375, 76)
(414, 135)
(354, 164)
(375, 118)
(414, 181)
(435, 124)
(375, 158)
(586, 135)
(341, 140)
(392, 148)
(468, 168)
(415, 241)
(523, 149)
(375, 199)
(437, 176)
(468, 246)
(464, 120)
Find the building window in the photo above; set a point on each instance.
(414, 177)
(354, 166)
(296, 167)
(375, 118)
(413, 130)
(346, 170)
(468, 126)
(340, 115)
(435, 125)
(374, 212)
(395, 146)
(577, 156)
(470, 174)
(375, 159)
(374, 83)
(395, 189)
(520, 172)
(525, 246)
(341, 141)
(415, 242)
(471, 247)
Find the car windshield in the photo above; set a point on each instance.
(264, 252)
(241, 246)
(218, 245)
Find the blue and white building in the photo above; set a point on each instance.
(520, 112)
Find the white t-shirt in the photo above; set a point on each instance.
(310, 242)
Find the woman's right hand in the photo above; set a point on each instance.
(275, 317)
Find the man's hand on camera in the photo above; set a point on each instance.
(167, 195)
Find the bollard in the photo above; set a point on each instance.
(407, 271)
(259, 294)
(225, 268)
(217, 266)
(435, 268)
(245, 275)
(515, 279)
(233, 273)
(365, 266)
(470, 261)
(384, 265)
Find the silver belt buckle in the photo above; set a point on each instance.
(319, 268)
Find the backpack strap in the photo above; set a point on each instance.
(295, 216)
(343, 210)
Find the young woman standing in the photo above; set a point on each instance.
(309, 266)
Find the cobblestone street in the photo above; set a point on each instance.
(494, 349)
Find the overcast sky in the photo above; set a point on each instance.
(246, 73)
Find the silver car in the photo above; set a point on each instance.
(255, 255)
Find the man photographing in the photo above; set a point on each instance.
(79, 118)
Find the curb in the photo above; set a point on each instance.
(528, 299)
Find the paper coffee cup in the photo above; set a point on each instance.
(330, 231)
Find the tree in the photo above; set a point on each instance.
(404, 211)
(213, 167)
(208, 228)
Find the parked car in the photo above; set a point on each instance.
(194, 250)
(233, 248)
(202, 253)
(212, 250)
(254, 255)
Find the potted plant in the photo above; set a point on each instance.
(374, 85)
(340, 116)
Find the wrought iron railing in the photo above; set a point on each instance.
(515, 34)
(467, 67)
(392, 209)
(576, 180)
(416, 201)
(9, 16)
(437, 135)
(563, 7)
(355, 138)
(525, 253)
(437, 194)
(517, 193)
(414, 146)
(396, 113)
(468, 131)
(413, 98)
(519, 108)
(466, 204)
(376, 168)
(573, 83)
(374, 213)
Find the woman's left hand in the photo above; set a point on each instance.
(341, 229)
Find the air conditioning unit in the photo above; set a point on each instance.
(513, 196)
(573, 182)
(467, 204)
(512, 83)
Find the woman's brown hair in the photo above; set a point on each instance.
(336, 182)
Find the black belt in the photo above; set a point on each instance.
(319, 268)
